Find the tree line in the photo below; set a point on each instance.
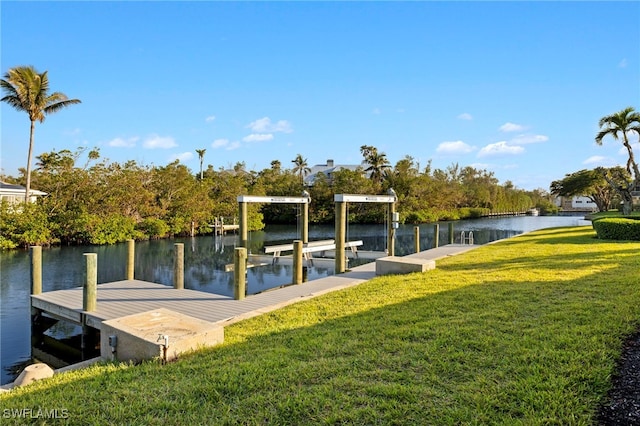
(94, 201)
(102, 202)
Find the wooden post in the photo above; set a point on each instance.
(244, 240)
(451, 236)
(90, 290)
(240, 273)
(131, 258)
(297, 262)
(436, 235)
(416, 239)
(341, 220)
(178, 266)
(36, 270)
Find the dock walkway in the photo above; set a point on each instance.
(128, 297)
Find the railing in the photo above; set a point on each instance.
(466, 238)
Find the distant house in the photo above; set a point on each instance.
(328, 170)
(576, 204)
(14, 194)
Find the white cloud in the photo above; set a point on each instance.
(123, 143)
(599, 160)
(264, 125)
(528, 138)
(511, 127)
(219, 143)
(183, 157)
(210, 118)
(623, 63)
(481, 166)
(233, 145)
(258, 137)
(226, 144)
(456, 147)
(500, 148)
(155, 141)
(465, 116)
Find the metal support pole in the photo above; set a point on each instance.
(341, 223)
(239, 273)
(178, 266)
(416, 239)
(36, 270)
(90, 290)
(297, 262)
(131, 258)
(436, 235)
(305, 223)
(391, 237)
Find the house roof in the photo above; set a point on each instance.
(13, 189)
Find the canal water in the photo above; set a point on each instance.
(205, 259)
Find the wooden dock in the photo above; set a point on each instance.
(128, 297)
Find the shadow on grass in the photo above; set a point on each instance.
(441, 348)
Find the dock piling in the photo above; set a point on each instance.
(451, 236)
(416, 239)
(36, 270)
(297, 262)
(90, 290)
(178, 266)
(436, 235)
(131, 256)
(239, 273)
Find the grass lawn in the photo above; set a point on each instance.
(525, 331)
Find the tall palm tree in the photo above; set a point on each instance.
(301, 167)
(619, 124)
(616, 125)
(27, 90)
(201, 156)
(377, 161)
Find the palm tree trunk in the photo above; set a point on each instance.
(632, 160)
(31, 133)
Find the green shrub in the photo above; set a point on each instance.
(153, 228)
(420, 216)
(617, 229)
(112, 229)
(472, 212)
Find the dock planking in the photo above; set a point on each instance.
(129, 297)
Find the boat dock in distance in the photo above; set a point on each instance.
(174, 315)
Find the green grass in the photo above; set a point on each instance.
(525, 331)
(613, 213)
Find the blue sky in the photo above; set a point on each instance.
(516, 88)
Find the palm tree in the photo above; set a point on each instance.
(616, 125)
(27, 90)
(621, 123)
(201, 155)
(301, 167)
(377, 161)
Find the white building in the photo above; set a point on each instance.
(328, 170)
(14, 194)
(576, 204)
